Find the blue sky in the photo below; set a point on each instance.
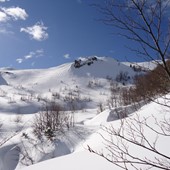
(47, 33)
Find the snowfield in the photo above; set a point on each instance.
(24, 92)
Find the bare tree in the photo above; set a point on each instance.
(131, 147)
(143, 22)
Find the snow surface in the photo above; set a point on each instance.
(146, 65)
(23, 93)
(83, 159)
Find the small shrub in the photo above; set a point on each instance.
(50, 121)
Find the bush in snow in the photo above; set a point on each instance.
(51, 120)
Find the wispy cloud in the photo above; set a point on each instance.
(28, 56)
(32, 54)
(66, 56)
(19, 60)
(37, 31)
(39, 53)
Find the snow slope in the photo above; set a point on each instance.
(44, 79)
(83, 159)
(90, 83)
(22, 94)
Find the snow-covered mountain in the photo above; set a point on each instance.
(89, 81)
(44, 79)
(84, 84)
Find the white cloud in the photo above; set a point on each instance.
(15, 13)
(37, 31)
(3, 17)
(7, 14)
(66, 56)
(19, 60)
(28, 56)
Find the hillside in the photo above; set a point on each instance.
(83, 159)
(42, 78)
(88, 82)
(83, 91)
